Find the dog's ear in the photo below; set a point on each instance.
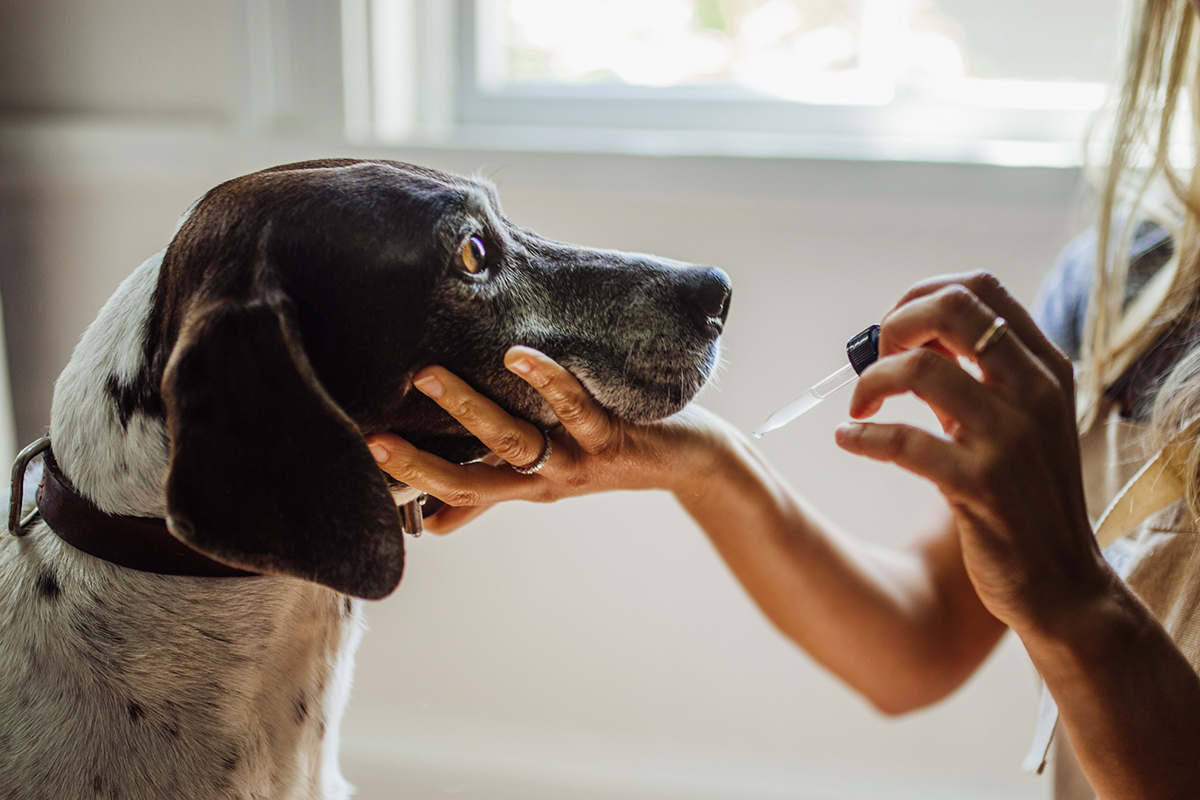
(267, 473)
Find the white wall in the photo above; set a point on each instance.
(596, 648)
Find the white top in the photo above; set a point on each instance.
(1159, 560)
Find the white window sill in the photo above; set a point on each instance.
(125, 146)
(743, 144)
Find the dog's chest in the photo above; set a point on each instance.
(146, 685)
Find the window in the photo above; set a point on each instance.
(1006, 81)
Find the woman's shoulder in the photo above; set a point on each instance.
(1061, 304)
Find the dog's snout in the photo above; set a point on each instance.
(709, 295)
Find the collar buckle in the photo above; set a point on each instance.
(17, 525)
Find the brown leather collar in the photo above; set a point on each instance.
(141, 543)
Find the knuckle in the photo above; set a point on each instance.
(1043, 397)
(457, 406)
(1023, 437)
(982, 282)
(1046, 398)
(894, 443)
(921, 288)
(985, 470)
(987, 477)
(544, 493)
(956, 299)
(1060, 365)
(575, 481)
(569, 410)
(972, 478)
(922, 363)
(510, 445)
(462, 498)
(598, 437)
(403, 470)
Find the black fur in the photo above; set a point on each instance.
(47, 586)
(293, 308)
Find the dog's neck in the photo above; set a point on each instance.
(120, 465)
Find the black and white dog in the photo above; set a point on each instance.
(226, 388)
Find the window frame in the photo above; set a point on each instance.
(980, 125)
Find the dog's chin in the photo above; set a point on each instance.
(640, 397)
(644, 398)
(630, 406)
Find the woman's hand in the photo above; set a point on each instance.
(592, 452)
(1008, 462)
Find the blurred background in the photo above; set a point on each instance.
(825, 153)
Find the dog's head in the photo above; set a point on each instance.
(295, 305)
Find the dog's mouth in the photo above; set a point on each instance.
(645, 394)
(635, 392)
(627, 388)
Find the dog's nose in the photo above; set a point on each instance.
(710, 295)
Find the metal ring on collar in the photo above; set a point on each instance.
(992, 335)
(536, 466)
(18, 525)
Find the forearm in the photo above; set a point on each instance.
(1127, 698)
(902, 627)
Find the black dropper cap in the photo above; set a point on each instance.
(863, 348)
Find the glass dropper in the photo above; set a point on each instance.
(862, 350)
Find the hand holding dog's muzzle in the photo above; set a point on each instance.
(589, 451)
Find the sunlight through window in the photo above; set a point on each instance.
(994, 81)
(814, 51)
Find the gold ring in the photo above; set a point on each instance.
(536, 466)
(993, 334)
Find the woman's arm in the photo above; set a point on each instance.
(902, 627)
(1008, 465)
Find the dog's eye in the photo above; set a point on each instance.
(471, 255)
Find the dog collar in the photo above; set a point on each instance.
(141, 543)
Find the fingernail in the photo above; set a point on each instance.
(522, 365)
(430, 386)
(378, 452)
(846, 429)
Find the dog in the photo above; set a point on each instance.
(219, 402)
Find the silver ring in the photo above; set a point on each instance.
(536, 466)
(992, 335)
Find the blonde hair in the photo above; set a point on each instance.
(1144, 181)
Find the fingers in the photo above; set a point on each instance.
(516, 441)
(957, 323)
(913, 449)
(451, 518)
(938, 381)
(469, 489)
(956, 293)
(584, 418)
(458, 485)
(944, 319)
(952, 316)
(998, 432)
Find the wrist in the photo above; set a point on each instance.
(1091, 626)
(698, 449)
(723, 474)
